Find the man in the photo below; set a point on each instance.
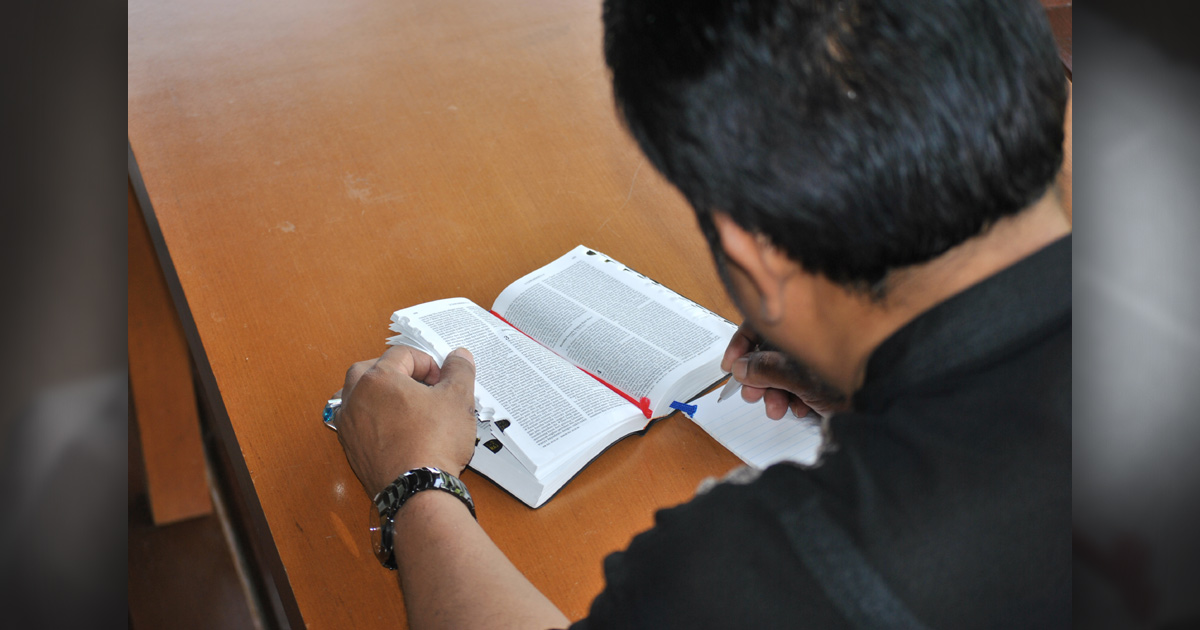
(875, 179)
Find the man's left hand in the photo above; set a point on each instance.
(402, 411)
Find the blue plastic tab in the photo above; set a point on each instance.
(690, 410)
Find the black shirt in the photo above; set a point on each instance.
(946, 503)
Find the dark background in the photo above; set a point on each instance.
(63, 391)
(62, 330)
(1137, 315)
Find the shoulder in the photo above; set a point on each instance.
(960, 497)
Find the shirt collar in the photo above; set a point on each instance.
(1015, 307)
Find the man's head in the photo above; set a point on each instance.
(857, 137)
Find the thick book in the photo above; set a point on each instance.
(570, 359)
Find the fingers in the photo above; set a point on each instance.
(396, 360)
(741, 343)
(353, 375)
(458, 372)
(411, 363)
(414, 364)
(776, 402)
(764, 369)
(799, 407)
(752, 394)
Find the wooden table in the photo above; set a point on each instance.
(306, 168)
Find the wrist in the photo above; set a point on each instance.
(423, 504)
(389, 502)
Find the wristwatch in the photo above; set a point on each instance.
(389, 500)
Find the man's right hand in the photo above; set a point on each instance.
(778, 380)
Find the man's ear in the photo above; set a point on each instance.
(767, 267)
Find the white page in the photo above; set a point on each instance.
(554, 408)
(615, 323)
(747, 432)
(495, 461)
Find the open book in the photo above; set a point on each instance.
(571, 358)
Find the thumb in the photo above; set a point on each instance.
(764, 369)
(458, 372)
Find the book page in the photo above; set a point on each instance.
(747, 432)
(615, 323)
(554, 408)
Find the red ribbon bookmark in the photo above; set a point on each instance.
(643, 404)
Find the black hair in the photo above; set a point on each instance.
(858, 136)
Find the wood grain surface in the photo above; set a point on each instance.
(311, 167)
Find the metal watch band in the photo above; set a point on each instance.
(392, 498)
